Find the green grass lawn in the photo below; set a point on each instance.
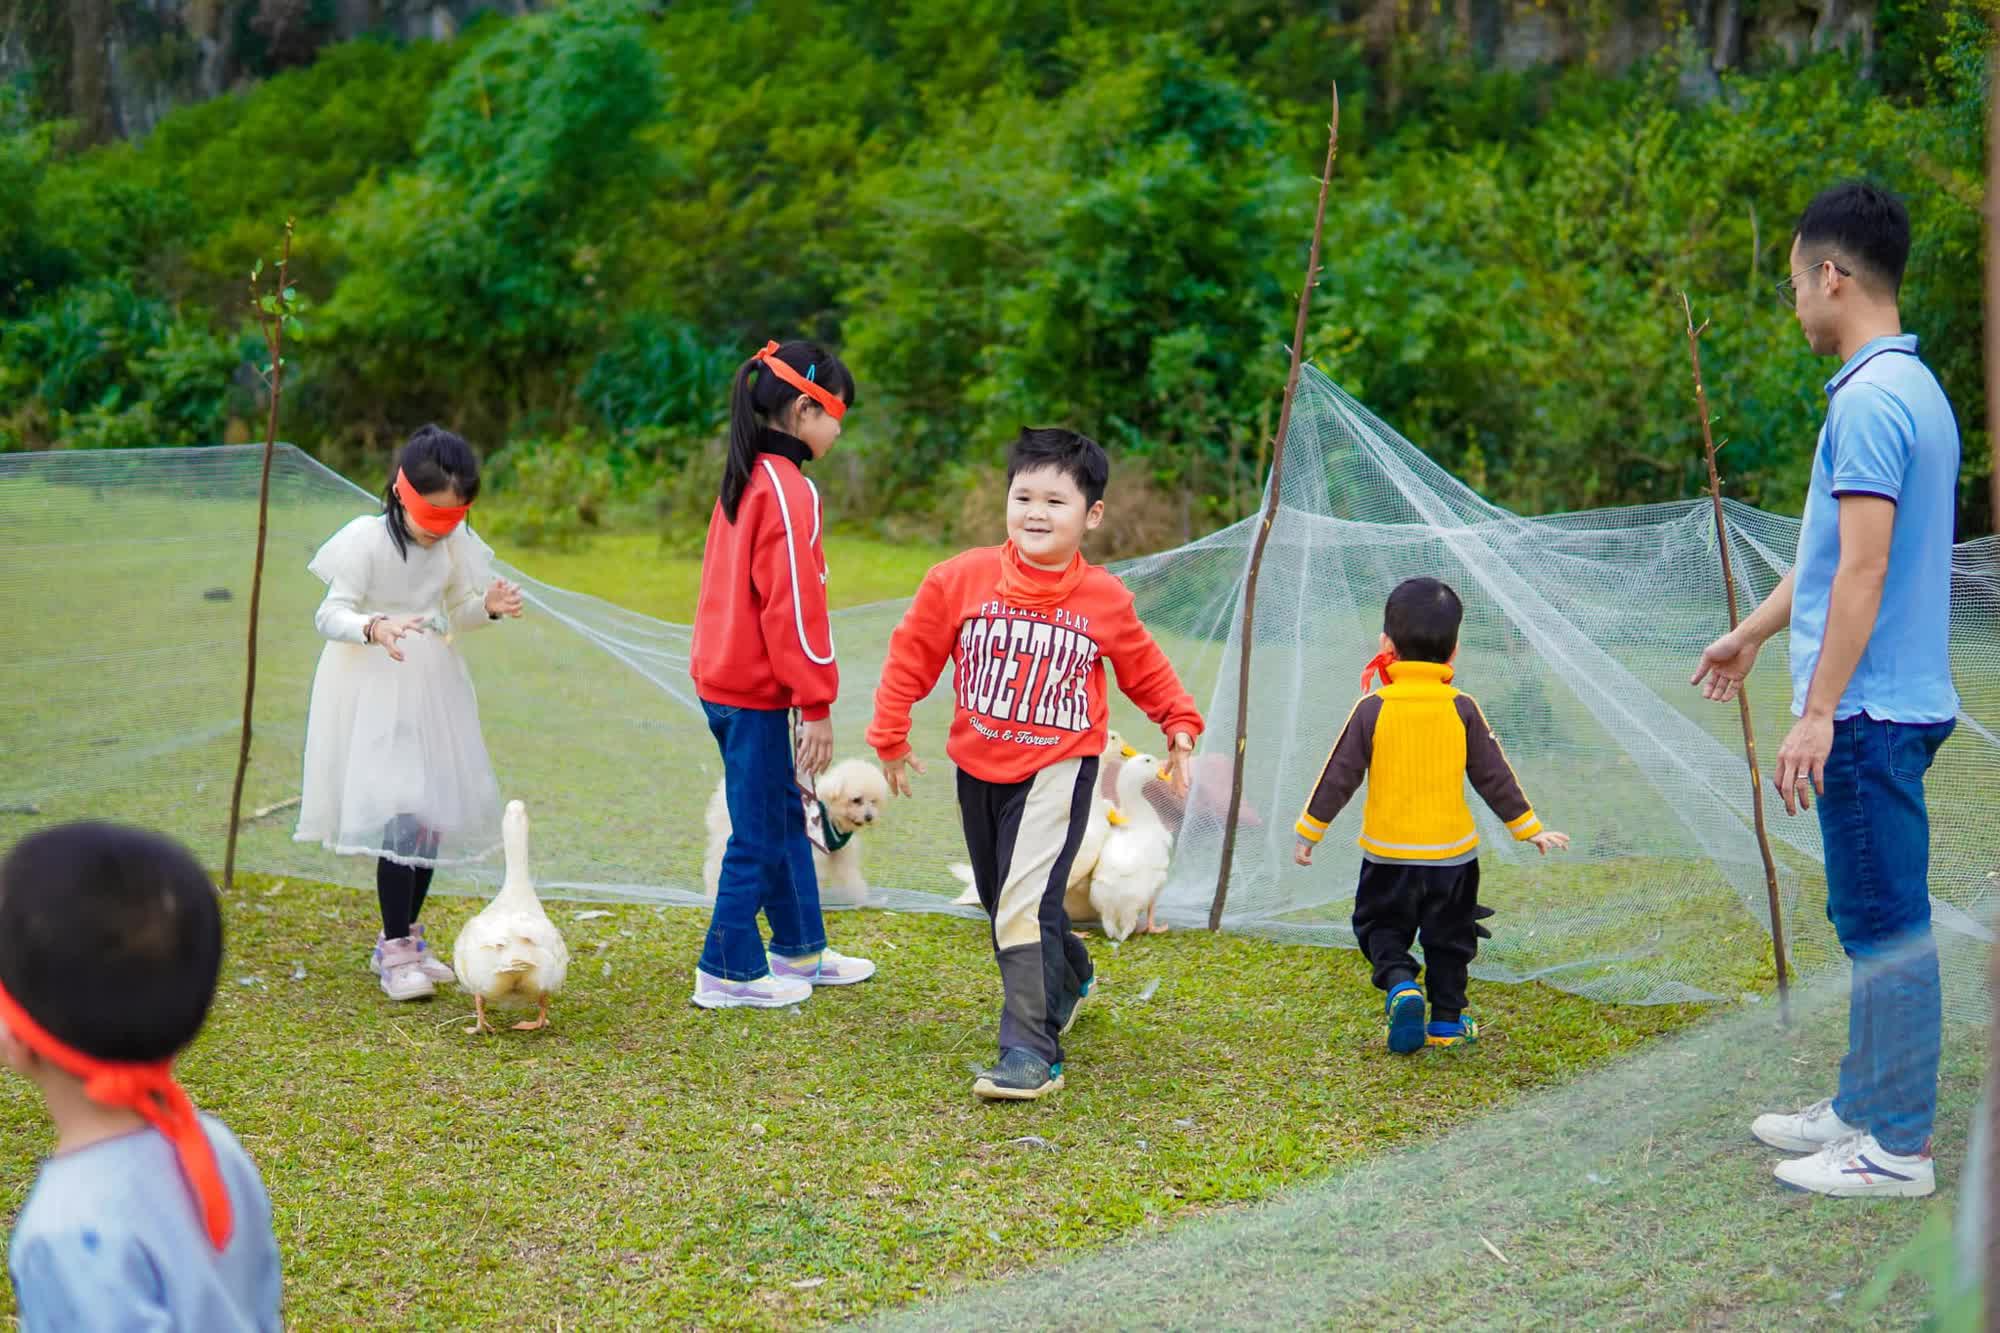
(644, 1163)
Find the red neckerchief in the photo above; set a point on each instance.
(149, 1089)
(1019, 586)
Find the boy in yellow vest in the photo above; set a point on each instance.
(1415, 742)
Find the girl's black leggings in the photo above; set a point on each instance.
(401, 889)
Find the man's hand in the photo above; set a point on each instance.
(1550, 841)
(1724, 664)
(1302, 853)
(898, 771)
(1802, 762)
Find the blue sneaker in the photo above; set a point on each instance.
(1460, 1033)
(1406, 1018)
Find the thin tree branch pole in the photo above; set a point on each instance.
(274, 339)
(1742, 691)
(1270, 517)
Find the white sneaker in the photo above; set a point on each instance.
(1803, 1131)
(1857, 1167)
(830, 968)
(768, 992)
(403, 972)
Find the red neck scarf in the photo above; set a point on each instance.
(1377, 669)
(438, 520)
(148, 1089)
(1031, 589)
(1382, 667)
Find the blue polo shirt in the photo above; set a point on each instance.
(1890, 432)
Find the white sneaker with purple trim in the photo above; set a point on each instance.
(1807, 1130)
(828, 968)
(1857, 1167)
(767, 992)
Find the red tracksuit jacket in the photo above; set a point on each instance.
(1029, 679)
(761, 634)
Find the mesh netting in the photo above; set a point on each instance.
(124, 579)
(1629, 1197)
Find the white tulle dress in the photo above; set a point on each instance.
(395, 766)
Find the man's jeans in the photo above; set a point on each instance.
(1877, 838)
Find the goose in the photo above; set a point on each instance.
(1131, 866)
(511, 953)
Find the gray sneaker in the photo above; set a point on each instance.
(1021, 1076)
(402, 969)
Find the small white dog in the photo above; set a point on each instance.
(854, 793)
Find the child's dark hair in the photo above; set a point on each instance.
(110, 938)
(1865, 223)
(433, 459)
(1081, 457)
(1422, 620)
(758, 400)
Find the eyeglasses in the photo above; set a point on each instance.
(1788, 291)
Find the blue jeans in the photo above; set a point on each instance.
(768, 865)
(1877, 837)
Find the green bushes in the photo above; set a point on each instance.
(566, 231)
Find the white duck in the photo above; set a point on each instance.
(511, 953)
(1132, 865)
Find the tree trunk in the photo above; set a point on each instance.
(90, 97)
(1728, 34)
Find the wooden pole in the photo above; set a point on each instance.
(271, 315)
(1270, 517)
(1743, 690)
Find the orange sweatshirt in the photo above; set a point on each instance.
(1028, 664)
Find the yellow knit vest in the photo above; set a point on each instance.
(1416, 809)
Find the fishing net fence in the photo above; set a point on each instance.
(124, 581)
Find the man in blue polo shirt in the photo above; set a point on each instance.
(1868, 602)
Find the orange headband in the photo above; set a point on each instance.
(832, 402)
(149, 1089)
(438, 520)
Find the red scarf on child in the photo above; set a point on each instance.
(1031, 589)
(149, 1089)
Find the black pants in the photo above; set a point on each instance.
(1023, 837)
(400, 890)
(1397, 902)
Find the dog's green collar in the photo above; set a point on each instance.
(835, 839)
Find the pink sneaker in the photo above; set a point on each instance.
(403, 971)
(829, 969)
(434, 967)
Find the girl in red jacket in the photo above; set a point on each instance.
(763, 649)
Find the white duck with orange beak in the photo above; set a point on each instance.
(511, 954)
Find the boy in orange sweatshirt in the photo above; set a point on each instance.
(1027, 627)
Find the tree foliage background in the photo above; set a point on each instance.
(560, 234)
